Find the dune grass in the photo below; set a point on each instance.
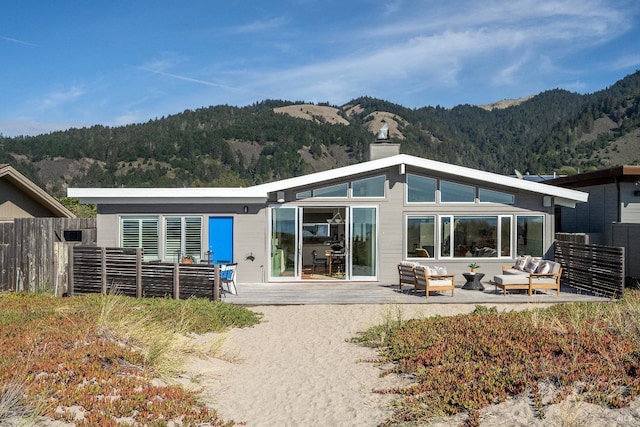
(463, 363)
(92, 360)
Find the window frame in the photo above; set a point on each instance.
(410, 216)
(342, 184)
(452, 244)
(456, 184)
(148, 254)
(185, 242)
(371, 178)
(435, 189)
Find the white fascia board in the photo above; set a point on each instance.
(427, 165)
(107, 196)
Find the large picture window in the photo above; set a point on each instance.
(420, 236)
(183, 236)
(140, 232)
(475, 236)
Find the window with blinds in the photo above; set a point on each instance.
(183, 237)
(140, 232)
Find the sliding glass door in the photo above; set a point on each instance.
(323, 243)
(364, 243)
(284, 243)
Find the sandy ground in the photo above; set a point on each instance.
(296, 368)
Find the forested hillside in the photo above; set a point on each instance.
(554, 131)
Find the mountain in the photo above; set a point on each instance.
(554, 131)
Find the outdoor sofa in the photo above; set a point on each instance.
(529, 273)
(424, 277)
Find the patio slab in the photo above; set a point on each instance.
(373, 293)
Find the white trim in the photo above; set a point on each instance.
(259, 193)
(429, 165)
(167, 195)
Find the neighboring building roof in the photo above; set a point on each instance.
(256, 193)
(7, 172)
(599, 177)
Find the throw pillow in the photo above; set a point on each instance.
(520, 263)
(441, 270)
(544, 268)
(532, 265)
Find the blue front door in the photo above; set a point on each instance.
(221, 239)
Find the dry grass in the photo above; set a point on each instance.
(62, 357)
(461, 364)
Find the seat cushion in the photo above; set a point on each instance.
(511, 279)
(516, 272)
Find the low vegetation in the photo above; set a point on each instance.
(463, 363)
(97, 360)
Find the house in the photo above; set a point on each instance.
(34, 229)
(351, 223)
(612, 215)
(21, 198)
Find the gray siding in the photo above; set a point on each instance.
(594, 217)
(251, 229)
(629, 203)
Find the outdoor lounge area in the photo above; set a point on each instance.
(256, 294)
(529, 274)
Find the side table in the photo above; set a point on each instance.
(473, 281)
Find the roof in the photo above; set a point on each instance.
(599, 177)
(36, 193)
(260, 193)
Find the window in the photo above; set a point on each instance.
(140, 232)
(451, 192)
(72, 235)
(505, 236)
(303, 195)
(338, 190)
(530, 235)
(475, 236)
(420, 236)
(183, 236)
(420, 189)
(490, 196)
(369, 187)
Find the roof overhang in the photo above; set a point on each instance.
(260, 193)
(35, 192)
(112, 196)
(564, 195)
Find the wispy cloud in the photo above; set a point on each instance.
(12, 40)
(186, 78)
(259, 26)
(55, 99)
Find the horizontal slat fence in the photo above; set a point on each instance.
(122, 271)
(595, 268)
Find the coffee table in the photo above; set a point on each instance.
(473, 281)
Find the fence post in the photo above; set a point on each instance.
(103, 270)
(176, 281)
(138, 272)
(70, 272)
(216, 282)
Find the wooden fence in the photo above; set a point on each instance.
(33, 251)
(122, 271)
(595, 268)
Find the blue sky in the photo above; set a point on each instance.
(79, 63)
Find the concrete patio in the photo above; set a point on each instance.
(372, 293)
